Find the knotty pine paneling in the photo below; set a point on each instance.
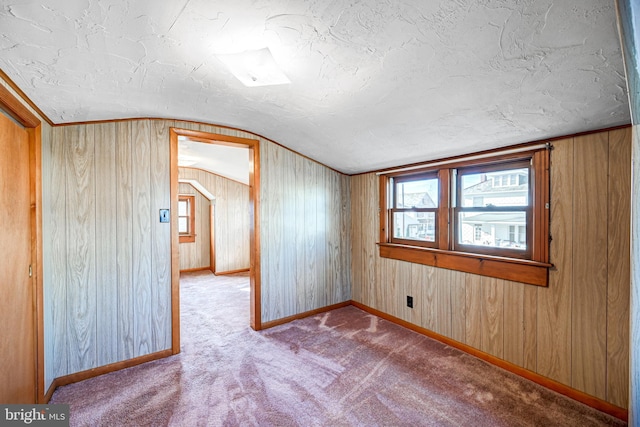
(231, 223)
(571, 331)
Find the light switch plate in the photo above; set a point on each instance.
(164, 215)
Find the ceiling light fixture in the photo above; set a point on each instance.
(255, 68)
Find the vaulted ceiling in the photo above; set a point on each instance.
(374, 83)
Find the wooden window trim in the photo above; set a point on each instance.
(191, 236)
(449, 255)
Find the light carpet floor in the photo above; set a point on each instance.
(341, 368)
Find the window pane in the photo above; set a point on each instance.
(183, 225)
(183, 208)
(415, 226)
(493, 229)
(421, 193)
(497, 188)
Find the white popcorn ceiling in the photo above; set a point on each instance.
(375, 83)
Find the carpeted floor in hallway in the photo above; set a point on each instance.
(341, 368)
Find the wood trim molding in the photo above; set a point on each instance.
(191, 237)
(90, 373)
(194, 270)
(175, 243)
(212, 173)
(282, 321)
(224, 273)
(3, 95)
(16, 109)
(556, 386)
(516, 270)
(254, 220)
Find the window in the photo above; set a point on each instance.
(487, 216)
(186, 219)
(415, 210)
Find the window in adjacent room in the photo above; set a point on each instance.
(186, 218)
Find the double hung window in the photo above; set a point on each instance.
(488, 216)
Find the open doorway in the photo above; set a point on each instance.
(177, 222)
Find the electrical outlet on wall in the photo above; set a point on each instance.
(409, 301)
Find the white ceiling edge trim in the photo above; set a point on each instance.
(196, 184)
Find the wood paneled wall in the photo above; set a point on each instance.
(576, 330)
(634, 395)
(107, 285)
(107, 256)
(196, 254)
(305, 240)
(231, 229)
(304, 230)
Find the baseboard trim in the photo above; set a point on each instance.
(193, 270)
(223, 273)
(271, 324)
(554, 385)
(101, 370)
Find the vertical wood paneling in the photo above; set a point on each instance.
(458, 305)
(106, 243)
(275, 266)
(415, 290)
(290, 259)
(571, 331)
(141, 237)
(310, 215)
(530, 335)
(299, 236)
(492, 316)
(321, 237)
(473, 309)
(618, 268)
(358, 292)
(554, 302)
(160, 235)
(514, 323)
(81, 252)
(231, 232)
(429, 298)
(302, 255)
(344, 254)
(589, 309)
(370, 227)
(56, 306)
(443, 301)
(124, 231)
(634, 342)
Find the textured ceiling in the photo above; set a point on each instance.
(374, 83)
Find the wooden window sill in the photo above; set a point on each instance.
(516, 270)
(187, 238)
